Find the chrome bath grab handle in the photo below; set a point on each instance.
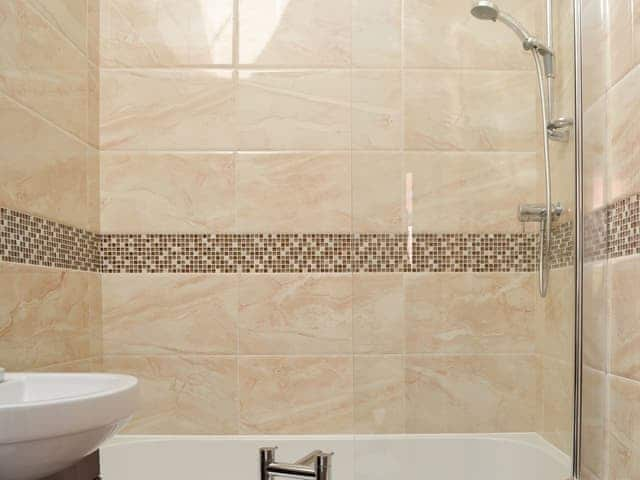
(316, 465)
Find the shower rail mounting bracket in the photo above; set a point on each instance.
(560, 129)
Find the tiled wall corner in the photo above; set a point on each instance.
(611, 377)
(49, 192)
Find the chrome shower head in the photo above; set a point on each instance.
(485, 10)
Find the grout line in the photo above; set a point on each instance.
(61, 32)
(624, 379)
(39, 116)
(405, 220)
(235, 48)
(350, 356)
(295, 151)
(301, 68)
(354, 402)
(237, 353)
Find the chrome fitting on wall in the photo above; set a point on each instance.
(316, 465)
(537, 212)
(560, 129)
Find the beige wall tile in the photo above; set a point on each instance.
(624, 311)
(26, 173)
(636, 31)
(624, 428)
(470, 192)
(563, 45)
(93, 30)
(595, 65)
(93, 189)
(293, 192)
(295, 33)
(595, 156)
(60, 96)
(161, 192)
(623, 119)
(377, 192)
(376, 109)
(32, 41)
(41, 68)
(470, 110)
(296, 395)
(181, 394)
(470, 393)
(44, 318)
(562, 173)
(562, 169)
(295, 314)
(94, 301)
(595, 296)
(378, 313)
(169, 313)
(12, 268)
(302, 109)
(93, 106)
(558, 322)
(167, 109)
(557, 387)
(376, 31)
(379, 394)
(166, 32)
(470, 313)
(68, 16)
(443, 34)
(594, 419)
(620, 17)
(85, 365)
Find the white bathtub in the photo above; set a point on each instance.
(524, 456)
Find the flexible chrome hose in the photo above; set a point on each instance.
(545, 226)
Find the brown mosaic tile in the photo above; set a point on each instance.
(609, 232)
(317, 253)
(562, 245)
(379, 252)
(596, 242)
(477, 252)
(226, 253)
(623, 224)
(36, 241)
(168, 253)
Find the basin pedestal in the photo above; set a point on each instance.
(86, 469)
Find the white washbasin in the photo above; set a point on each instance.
(49, 421)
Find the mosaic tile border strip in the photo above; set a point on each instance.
(226, 253)
(32, 240)
(596, 242)
(609, 232)
(316, 253)
(623, 227)
(613, 231)
(562, 243)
